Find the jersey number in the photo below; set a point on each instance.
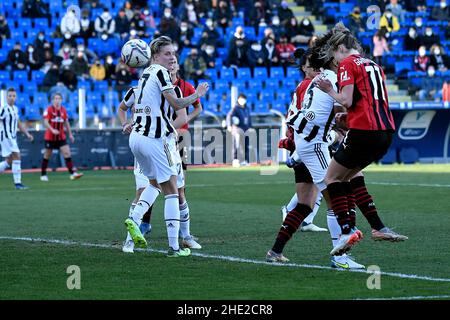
(145, 76)
(376, 79)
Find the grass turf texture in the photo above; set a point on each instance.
(234, 212)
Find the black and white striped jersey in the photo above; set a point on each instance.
(316, 117)
(9, 118)
(150, 107)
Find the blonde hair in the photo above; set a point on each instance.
(158, 43)
(337, 36)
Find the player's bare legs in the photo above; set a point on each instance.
(65, 151)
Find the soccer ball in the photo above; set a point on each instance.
(136, 53)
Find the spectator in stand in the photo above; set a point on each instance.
(80, 66)
(70, 23)
(129, 10)
(257, 55)
(210, 55)
(33, 59)
(306, 30)
(123, 77)
(147, 17)
(447, 31)
(431, 88)
(110, 69)
(380, 46)
(61, 89)
(397, 10)
(272, 57)
(186, 34)
(66, 55)
(205, 40)
(51, 78)
(194, 66)
(35, 9)
(39, 42)
(441, 12)
(418, 23)
(292, 30)
(169, 26)
(97, 71)
(268, 34)
(202, 8)
(17, 59)
(389, 21)
(213, 35)
(438, 58)
(355, 21)
(223, 15)
(138, 24)
(430, 38)
(285, 13)
(91, 4)
(69, 78)
(276, 27)
(284, 51)
(86, 26)
(412, 40)
(5, 32)
(88, 54)
(69, 41)
(187, 13)
(421, 61)
(105, 26)
(237, 54)
(122, 24)
(258, 14)
(421, 5)
(49, 58)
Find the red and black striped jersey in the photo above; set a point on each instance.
(370, 107)
(186, 89)
(56, 117)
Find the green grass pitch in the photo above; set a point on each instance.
(236, 214)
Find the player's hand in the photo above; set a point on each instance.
(202, 89)
(127, 128)
(30, 137)
(324, 84)
(72, 139)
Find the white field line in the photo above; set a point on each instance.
(409, 298)
(433, 185)
(224, 258)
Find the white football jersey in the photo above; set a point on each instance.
(150, 107)
(9, 118)
(316, 117)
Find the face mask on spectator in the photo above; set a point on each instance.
(41, 37)
(431, 72)
(256, 47)
(412, 33)
(104, 37)
(388, 15)
(443, 4)
(109, 60)
(183, 28)
(146, 12)
(306, 22)
(419, 23)
(66, 49)
(30, 50)
(209, 50)
(209, 23)
(242, 101)
(190, 7)
(437, 51)
(422, 52)
(429, 32)
(67, 35)
(167, 14)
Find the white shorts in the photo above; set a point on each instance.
(154, 157)
(143, 182)
(9, 146)
(316, 157)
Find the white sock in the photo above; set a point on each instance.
(185, 221)
(130, 212)
(3, 166)
(292, 203)
(333, 227)
(16, 171)
(148, 197)
(310, 218)
(172, 218)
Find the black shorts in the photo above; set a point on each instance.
(302, 174)
(360, 148)
(55, 144)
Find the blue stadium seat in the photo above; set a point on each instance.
(214, 96)
(3, 55)
(260, 73)
(23, 100)
(272, 84)
(277, 72)
(402, 67)
(105, 111)
(222, 52)
(280, 106)
(37, 76)
(25, 23)
(284, 95)
(241, 84)
(267, 96)
(221, 85)
(211, 73)
(408, 155)
(244, 73)
(112, 97)
(95, 97)
(40, 99)
(32, 113)
(101, 86)
(256, 84)
(4, 76)
(41, 23)
(227, 74)
(390, 157)
(21, 76)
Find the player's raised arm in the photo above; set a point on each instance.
(180, 103)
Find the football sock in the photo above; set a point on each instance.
(172, 218)
(69, 165)
(148, 215)
(146, 200)
(351, 202)
(290, 225)
(184, 220)
(3, 166)
(292, 203)
(130, 212)
(16, 171)
(365, 203)
(333, 226)
(44, 165)
(339, 204)
(310, 218)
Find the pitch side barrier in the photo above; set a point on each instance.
(423, 134)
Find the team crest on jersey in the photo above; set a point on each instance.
(147, 110)
(310, 116)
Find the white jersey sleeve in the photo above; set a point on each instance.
(164, 80)
(129, 98)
